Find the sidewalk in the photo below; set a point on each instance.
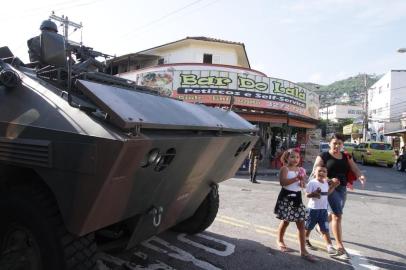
(265, 170)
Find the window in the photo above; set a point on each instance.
(160, 61)
(381, 146)
(380, 90)
(207, 58)
(349, 144)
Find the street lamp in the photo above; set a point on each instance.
(402, 50)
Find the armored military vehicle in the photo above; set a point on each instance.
(84, 154)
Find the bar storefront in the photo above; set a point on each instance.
(282, 110)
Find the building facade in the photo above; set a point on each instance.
(218, 73)
(386, 103)
(335, 113)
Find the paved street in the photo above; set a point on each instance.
(244, 233)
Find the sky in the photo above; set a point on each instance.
(319, 41)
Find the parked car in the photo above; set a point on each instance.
(375, 153)
(401, 163)
(349, 147)
(324, 147)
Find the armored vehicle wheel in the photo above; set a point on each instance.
(33, 236)
(204, 215)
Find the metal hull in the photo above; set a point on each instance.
(95, 169)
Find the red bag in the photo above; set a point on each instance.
(351, 177)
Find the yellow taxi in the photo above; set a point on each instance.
(375, 153)
(349, 147)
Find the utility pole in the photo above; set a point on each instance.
(327, 124)
(365, 133)
(66, 23)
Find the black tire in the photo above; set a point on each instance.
(203, 217)
(32, 233)
(353, 158)
(400, 166)
(390, 165)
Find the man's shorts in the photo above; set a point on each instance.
(317, 216)
(336, 200)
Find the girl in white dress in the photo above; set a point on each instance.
(289, 206)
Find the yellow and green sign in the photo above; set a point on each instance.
(248, 90)
(352, 129)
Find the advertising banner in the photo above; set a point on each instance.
(218, 87)
(352, 129)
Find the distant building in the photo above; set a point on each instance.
(335, 113)
(345, 98)
(199, 50)
(387, 102)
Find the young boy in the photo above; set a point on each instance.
(317, 191)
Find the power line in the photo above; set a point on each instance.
(160, 18)
(38, 10)
(66, 23)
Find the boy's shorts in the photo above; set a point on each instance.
(317, 216)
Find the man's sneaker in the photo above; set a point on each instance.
(331, 250)
(309, 245)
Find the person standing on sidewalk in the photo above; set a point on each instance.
(254, 157)
(338, 166)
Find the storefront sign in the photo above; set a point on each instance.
(217, 87)
(352, 129)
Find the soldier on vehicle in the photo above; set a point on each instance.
(34, 44)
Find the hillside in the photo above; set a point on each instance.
(348, 91)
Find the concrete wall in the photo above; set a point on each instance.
(387, 102)
(398, 94)
(192, 52)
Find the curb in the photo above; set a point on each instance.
(270, 172)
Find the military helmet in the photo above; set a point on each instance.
(48, 25)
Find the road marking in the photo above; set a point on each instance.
(227, 252)
(231, 223)
(235, 219)
(264, 229)
(390, 264)
(356, 261)
(317, 243)
(177, 253)
(158, 265)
